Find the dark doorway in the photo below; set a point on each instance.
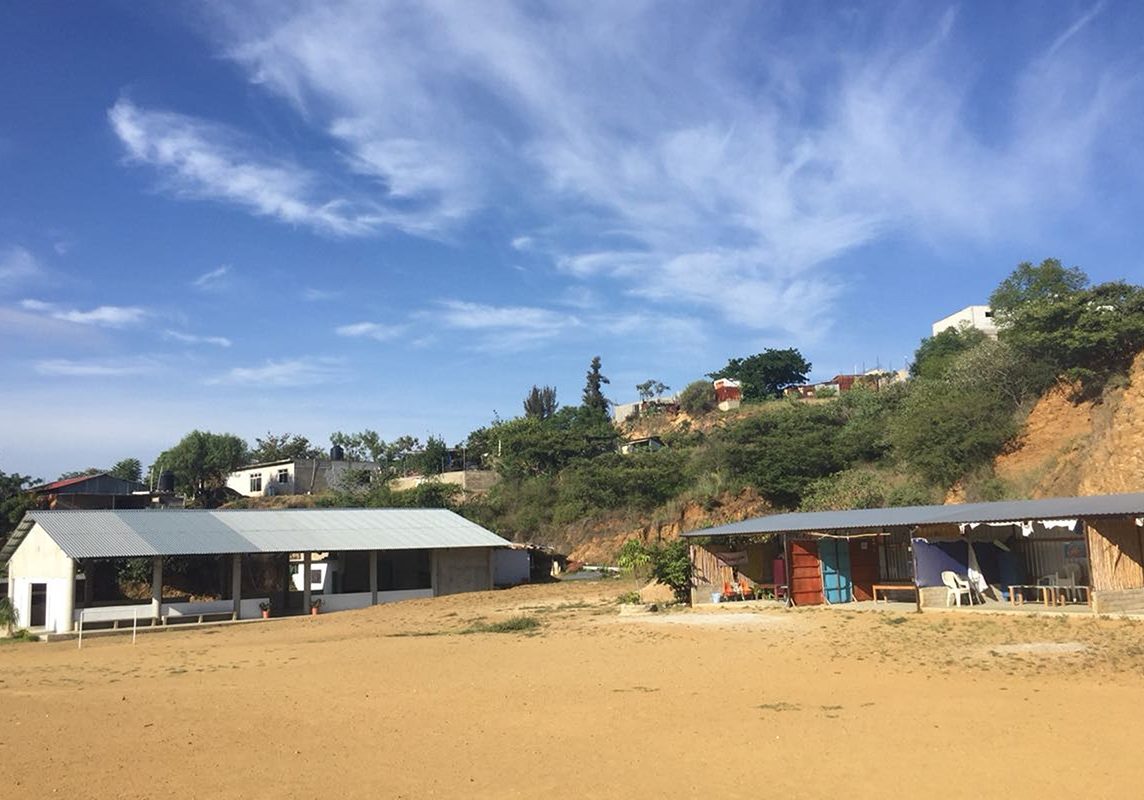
(38, 611)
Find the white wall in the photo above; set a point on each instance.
(980, 317)
(38, 559)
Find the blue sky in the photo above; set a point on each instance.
(311, 217)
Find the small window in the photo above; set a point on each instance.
(989, 313)
(256, 482)
(283, 476)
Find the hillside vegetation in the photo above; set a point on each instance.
(955, 429)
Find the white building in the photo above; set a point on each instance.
(980, 317)
(383, 555)
(302, 476)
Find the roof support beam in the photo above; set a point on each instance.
(236, 584)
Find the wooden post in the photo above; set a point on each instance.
(914, 569)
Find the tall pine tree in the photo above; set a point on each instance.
(594, 398)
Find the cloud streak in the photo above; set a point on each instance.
(686, 160)
(283, 373)
(102, 316)
(70, 368)
(190, 338)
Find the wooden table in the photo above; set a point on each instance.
(893, 587)
(1050, 595)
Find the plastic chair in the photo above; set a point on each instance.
(746, 590)
(728, 592)
(955, 588)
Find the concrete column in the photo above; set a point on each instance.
(236, 584)
(306, 582)
(433, 567)
(156, 587)
(67, 613)
(373, 576)
(492, 569)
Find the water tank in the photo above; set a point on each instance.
(167, 481)
(337, 453)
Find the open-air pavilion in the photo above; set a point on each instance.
(60, 564)
(1052, 551)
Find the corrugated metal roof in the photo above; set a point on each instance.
(910, 516)
(124, 534)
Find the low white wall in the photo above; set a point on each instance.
(248, 609)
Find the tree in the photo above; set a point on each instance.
(766, 374)
(364, 446)
(128, 469)
(782, 452)
(526, 447)
(697, 398)
(14, 500)
(283, 447)
(540, 403)
(1087, 336)
(671, 566)
(1049, 281)
(593, 396)
(935, 354)
(80, 473)
(651, 388)
(202, 460)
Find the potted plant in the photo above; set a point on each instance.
(264, 606)
(315, 604)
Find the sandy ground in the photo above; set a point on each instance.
(396, 701)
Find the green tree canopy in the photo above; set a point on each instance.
(523, 447)
(282, 447)
(936, 353)
(202, 461)
(593, 388)
(127, 469)
(1027, 284)
(697, 398)
(14, 500)
(651, 388)
(766, 374)
(1086, 336)
(540, 402)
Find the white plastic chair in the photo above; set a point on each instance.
(955, 588)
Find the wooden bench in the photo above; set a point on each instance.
(893, 587)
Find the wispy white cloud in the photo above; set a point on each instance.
(70, 368)
(103, 316)
(17, 264)
(522, 243)
(213, 280)
(501, 328)
(312, 295)
(712, 167)
(205, 160)
(284, 373)
(190, 338)
(370, 330)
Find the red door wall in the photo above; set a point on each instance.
(864, 567)
(805, 575)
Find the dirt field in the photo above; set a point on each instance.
(396, 701)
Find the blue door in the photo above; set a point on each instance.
(835, 557)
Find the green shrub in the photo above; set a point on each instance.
(697, 398)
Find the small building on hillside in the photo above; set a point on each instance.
(101, 490)
(56, 561)
(643, 444)
(979, 317)
(295, 476)
(728, 394)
